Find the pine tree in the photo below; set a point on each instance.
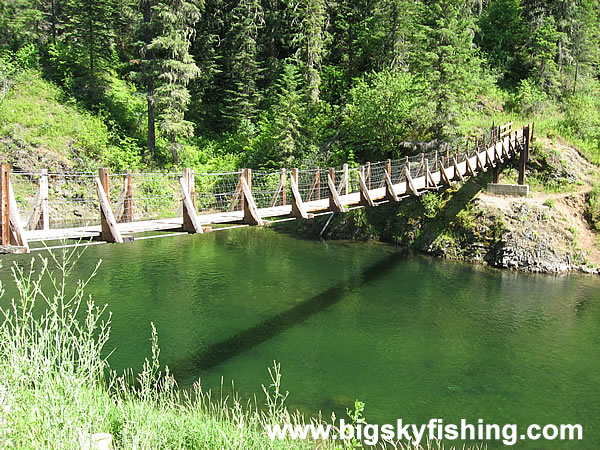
(314, 39)
(167, 67)
(287, 113)
(447, 59)
(89, 33)
(503, 37)
(243, 66)
(394, 28)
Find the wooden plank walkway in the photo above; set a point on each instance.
(447, 171)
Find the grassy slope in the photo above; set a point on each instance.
(41, 128)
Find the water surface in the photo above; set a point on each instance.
(412, 337)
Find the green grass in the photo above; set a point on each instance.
(36, 116)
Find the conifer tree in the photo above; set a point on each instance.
(287, 113)
(243, 66)
(314, 39)
(167, 67)
(89, 33)
(447, 59)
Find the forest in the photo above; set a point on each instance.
(221, 84)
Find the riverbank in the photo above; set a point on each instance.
(546, 232)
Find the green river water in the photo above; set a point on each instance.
(412, 337)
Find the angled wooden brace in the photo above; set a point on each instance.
(280, 190)
(499, 152)
(251, 215)
(410, 186)
(17, 232)
(470, 169)
(444, 175)
(124, 209)
(365, 195)
(478, 164)
(505, 149)
(298, 209)
(457, 174)
(335, 204)
(110, 231)
(390, 192)
(191, 223)
(38, 220)
(488, 160)
(429, 181)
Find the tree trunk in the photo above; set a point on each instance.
(175, 151)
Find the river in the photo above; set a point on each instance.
(413, 337)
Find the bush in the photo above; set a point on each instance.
(385, 110)
(593, 207)
(432, 202)
(529, 98)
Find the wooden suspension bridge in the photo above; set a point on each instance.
(41, 206)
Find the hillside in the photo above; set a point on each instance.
(42, 127)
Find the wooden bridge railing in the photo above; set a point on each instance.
(54, 200)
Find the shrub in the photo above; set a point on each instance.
(593, 207)
(529, 98)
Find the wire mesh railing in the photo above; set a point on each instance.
(72, 197)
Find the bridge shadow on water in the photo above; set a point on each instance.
(269, 328)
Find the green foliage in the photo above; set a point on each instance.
(529, 98)
(593, 207)
(447, 59)
(88, 35)
(374, 74)
(243, 65)
(279, 141)
(432, 203)
(544, 53)
(502, 36)
(385, 110)
(582, 115)
(35, 114)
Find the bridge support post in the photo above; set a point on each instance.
(524, 155)
(128, 203)
(110, 232)
(444, 175)
(410, 186)
(390, 192)
(251, 215)
(298, 209)
(335, 204)
(429, 181)
(283, 188)
(496, 174)
(346, 179)
(4, 206)
(280, 190)
(38, 220)
(315, 188)
(17, 233)
(124, 209)
(470, 169)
